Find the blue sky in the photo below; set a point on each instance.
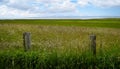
(58, 8)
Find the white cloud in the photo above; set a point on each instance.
(99, 3)
(42, 5)
(35, 8)
(83, 2)
(28, 8)
(19, 4)
(105, 3)
(56, 6)
(65, 6)
(8, 12)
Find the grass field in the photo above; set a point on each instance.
(109, 23)
(60, 44)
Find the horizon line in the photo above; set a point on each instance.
(63, 17)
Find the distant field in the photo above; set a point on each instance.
(107, 23)
(65, 41)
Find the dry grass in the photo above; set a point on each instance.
(62, 38)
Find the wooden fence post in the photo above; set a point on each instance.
(93, 44)
(93, 49)
(27, 41)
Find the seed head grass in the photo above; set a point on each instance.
(58, 46)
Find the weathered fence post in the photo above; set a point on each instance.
(27, 41)
(93, 49)
(93, 44)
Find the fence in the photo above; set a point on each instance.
(92, 39)
(53, 41)
(27, 42)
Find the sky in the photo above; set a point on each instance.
(11, 9)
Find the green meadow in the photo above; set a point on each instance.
(106, 23)
(57, 44)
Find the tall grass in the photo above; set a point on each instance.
(36, 60)
(47, 38)
(57, 47)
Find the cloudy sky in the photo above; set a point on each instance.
(58, 8)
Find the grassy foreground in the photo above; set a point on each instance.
(35, 60)
(58, 44)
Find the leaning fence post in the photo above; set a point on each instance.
(27, 41)
(93, 44)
